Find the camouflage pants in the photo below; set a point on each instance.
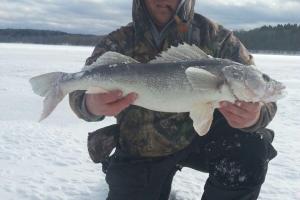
(236, 162)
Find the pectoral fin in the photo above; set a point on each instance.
(202, 79)
(202, 116)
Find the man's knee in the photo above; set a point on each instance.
(147, 179)
(242, 161)
(126, 181)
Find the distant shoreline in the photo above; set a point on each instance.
(63, 44)
(32, 36)
(277, 40)
(269, 52)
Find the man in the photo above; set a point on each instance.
(152, 146)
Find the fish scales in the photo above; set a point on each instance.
(158, 74)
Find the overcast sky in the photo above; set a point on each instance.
(102, 16)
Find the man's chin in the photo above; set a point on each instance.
(163, 18)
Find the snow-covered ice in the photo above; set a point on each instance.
(49, 160)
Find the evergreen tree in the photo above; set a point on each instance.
(272, 38)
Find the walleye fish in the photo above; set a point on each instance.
(181, 79)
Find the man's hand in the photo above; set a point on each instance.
(108, 104)
(240, 114)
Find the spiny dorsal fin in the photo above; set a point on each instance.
(183, 52)
(201, 79)
(110, 58)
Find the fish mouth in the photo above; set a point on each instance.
(274, 91)
(270, 92)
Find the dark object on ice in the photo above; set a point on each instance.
(101, 142)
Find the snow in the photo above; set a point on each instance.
(49, 160)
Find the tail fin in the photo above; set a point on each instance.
(48, 86)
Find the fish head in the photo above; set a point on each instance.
(251, 85)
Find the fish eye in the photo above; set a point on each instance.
(266, 77)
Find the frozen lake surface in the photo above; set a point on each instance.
(49, 160)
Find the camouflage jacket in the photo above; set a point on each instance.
(147, 133)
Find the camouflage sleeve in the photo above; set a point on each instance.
(232, 48)
(267, 113)
(77, 104)
(77, 98)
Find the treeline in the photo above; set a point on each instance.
(46, 37)
(272, 38)
(267, 38)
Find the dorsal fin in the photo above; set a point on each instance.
(183, 52)
(110, 58)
